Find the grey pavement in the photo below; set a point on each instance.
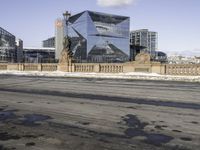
(98, 114)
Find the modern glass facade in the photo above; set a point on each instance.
(7, 46)
(99, 37)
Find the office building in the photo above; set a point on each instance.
(96, 37)
(145, 38)
(50, 42)
(7, 46)
(39, 55)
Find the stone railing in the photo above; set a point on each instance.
(28, 67)
(84, 67)
(31, 67)
(183, 69)
(104, 67)
(151, 67)
(3, 66)
(111, 68)
(49, 67)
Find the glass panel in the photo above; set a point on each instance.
(99, 37)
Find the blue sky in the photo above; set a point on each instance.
(176, 21)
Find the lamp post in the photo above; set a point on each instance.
(66, 16)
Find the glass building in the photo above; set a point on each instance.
(39, 55)
(99, 37)
(7, 46)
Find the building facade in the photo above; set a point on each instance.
(60, 28)
(7, 46)
(135, 50)
(50, 42)
(98, 37)
(161, 57)
(145, 38)
(19, 50)
(39, 55)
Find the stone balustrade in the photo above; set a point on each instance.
(31, 67)
(111, 68)
(84, 67)
(3, 66)
(49, 67)
(183, 69)
(152, 67)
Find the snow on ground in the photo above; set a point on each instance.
(131, 75)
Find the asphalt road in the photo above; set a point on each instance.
(98, 114)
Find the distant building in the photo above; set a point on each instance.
(19, 50)
(39, 55)
(59, 35)
(178, 59)
(7, 46)
(145, 38)
(50, 42)
(134, 50)
(160, 56)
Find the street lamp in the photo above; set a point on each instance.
(66, 16)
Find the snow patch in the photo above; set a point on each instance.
(130, 75)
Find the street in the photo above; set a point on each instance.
(38, 113)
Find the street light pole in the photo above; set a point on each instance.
(66, 16)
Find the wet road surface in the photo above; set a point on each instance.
(100, 114)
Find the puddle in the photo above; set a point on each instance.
(4, 148)
(133, 122)
(136, 129)
(30, 136)
(158, 127)
(4, 136)
(186, 139)
(131, 132)
(33, 119)
(104, 140)
(176, 131)
(73, 134)
(135, 126)
(157, 139)
(30, 144)
(131, 107)
(84, 123)
(194, 122)
(6, 115)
